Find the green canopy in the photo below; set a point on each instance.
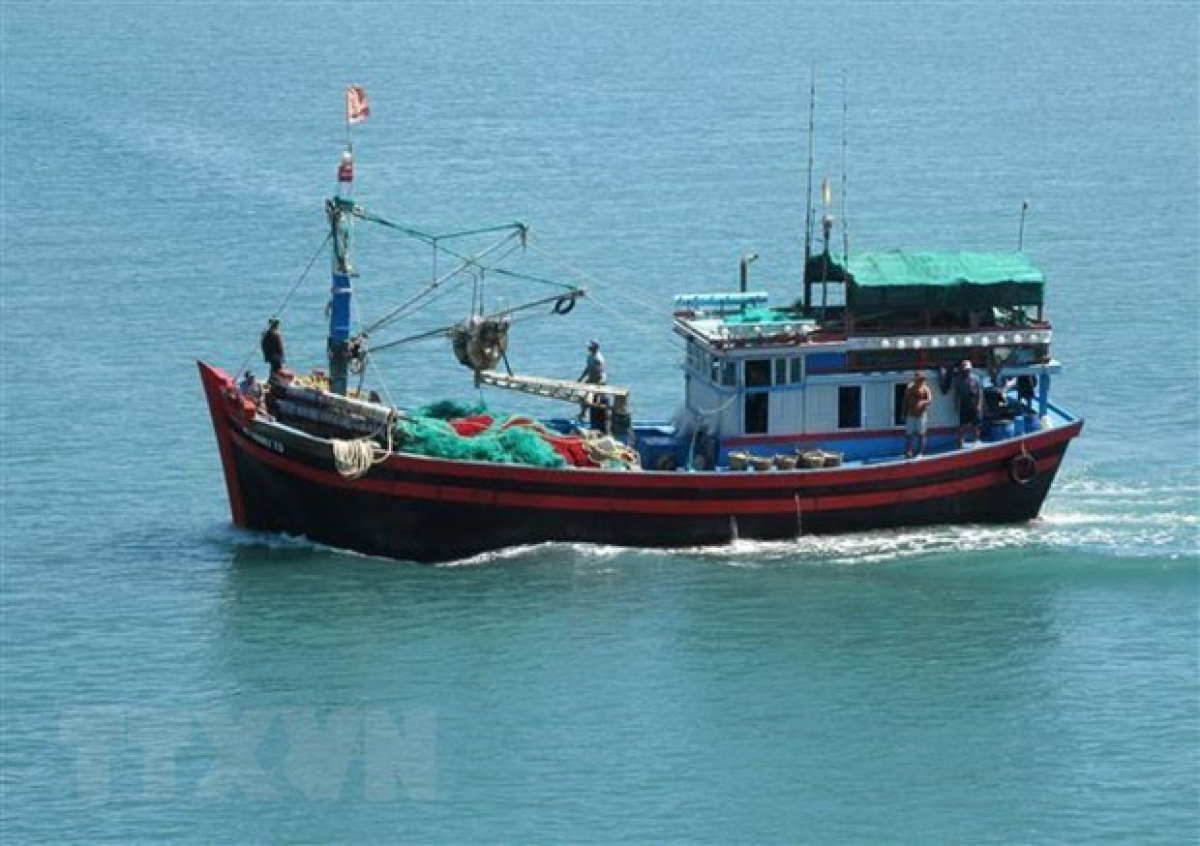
(942, 280)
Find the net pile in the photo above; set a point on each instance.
(463, 431)
(467, 432)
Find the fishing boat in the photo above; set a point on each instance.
(793, 418)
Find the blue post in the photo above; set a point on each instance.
(341, 289)
(1043, 394)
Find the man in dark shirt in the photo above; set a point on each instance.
(272, 347)
(969, 393)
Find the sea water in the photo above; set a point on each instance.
(165, 676)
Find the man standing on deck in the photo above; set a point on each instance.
(272, 347)
(250, 387)
(969, 395)
(917, 398)
(593, 371)
(593, 374)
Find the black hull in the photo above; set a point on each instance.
(396, 527)
(429, 510)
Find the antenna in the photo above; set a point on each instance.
(1021, 233)
(845, 225)
(812, 106)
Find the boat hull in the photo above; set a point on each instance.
(430, 510)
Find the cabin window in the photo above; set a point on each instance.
(728, 372)
(850, 412)
(898, 404)
(787, 371)
(795, 370)
(826, 362)
(758, 373)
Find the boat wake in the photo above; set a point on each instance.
(1166, 534)
(1085, 516)
(832, 550)
(870, 547)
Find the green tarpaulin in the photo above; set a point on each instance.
(942, 280)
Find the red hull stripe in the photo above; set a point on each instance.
(690, 487)
(693, 502)
(744, 483)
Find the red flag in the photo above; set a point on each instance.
(357, 108)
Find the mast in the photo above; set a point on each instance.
(341, 291)
(340, 212)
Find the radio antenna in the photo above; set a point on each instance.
(812, 106)
(808, 213)
(845, 224)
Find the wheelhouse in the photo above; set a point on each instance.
(831, 369)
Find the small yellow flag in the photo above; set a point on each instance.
(826, 191)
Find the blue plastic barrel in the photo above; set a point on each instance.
(1033, 423)
(998, 430)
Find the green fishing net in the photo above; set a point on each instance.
(431, 435)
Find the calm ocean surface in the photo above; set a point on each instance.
(166, 677)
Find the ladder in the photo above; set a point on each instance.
(561, 389)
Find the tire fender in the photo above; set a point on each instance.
(1022, 468)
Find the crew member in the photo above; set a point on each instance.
(250, 387)
(593, 371)
(272, 347)
(594, 374)
(1026, 385)
(917, 398)
(969, 395)
(600, 413)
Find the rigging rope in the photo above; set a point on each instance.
(641, 306)
(307, 268)
(518, 229)
(464, 264)
(283, 306)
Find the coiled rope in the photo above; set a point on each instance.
(353, 458)
(607, 451)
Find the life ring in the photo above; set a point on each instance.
(563, 305)
(666, 463)
(1022, 468)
